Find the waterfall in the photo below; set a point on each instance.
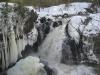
(52, 46)
(62, 42)
(51, 51)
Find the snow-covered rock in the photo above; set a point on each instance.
(89, 27)
(28, 66)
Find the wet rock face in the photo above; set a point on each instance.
(97, 46)
(1, 37)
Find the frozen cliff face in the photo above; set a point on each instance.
(28, 66)
(18, 30)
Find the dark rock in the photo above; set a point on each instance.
(60, 22)
(97, 46)
(1, 37)
(65, 15)
(28, 50)
(43, 20)
(49, 70)
(29, 24)
(55, 24)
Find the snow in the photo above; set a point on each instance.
(27, 66)
(3, 3)
(11, 4)
(72, 8)
(74, 25)
(92, 28)
(30, 8)
(94, 25)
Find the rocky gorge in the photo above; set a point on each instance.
(57, 40)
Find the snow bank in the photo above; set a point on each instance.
(28, 66)
(72, 8)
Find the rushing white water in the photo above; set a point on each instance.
(52, 46)
(63, 69)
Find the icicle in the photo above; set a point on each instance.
(13, 47)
